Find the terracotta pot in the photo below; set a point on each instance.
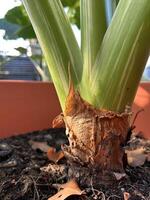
(26, 106)
(142, 101)
(30, 106)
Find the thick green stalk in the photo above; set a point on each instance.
(93, 28)
(122, 57)
(58, 43)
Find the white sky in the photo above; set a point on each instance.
(6, 5)
(7, 47)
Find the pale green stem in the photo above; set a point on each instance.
(122, 57)
(93, 28)
(57, 42)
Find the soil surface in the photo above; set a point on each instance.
(22, 177)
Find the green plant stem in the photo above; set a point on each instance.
(122, 57)
(57, 42)
(93, 28)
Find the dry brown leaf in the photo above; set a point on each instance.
(53, 155)
(66, 190)
(136, 157)
(55, 170)
(126, 195)
(119, 176)
(39, 145)
(58, 121)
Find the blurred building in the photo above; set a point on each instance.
(19, 68)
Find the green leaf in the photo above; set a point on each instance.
(17, 15)
(122, 57)
(15, 26)
(58, 43)
(74, 15)
(73, 11)
(69, 3)
(26, 32)
(21, 50)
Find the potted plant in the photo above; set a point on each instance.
(97, 84)
(103, 77)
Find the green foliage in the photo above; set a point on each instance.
(21, 50)
(17, 15)
(73, 11)
(69, 3)
(74, 15)
(15, 26)
(21, 27)
(26, 32)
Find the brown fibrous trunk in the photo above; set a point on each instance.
(96, 139)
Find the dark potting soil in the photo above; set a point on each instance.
(21, 177)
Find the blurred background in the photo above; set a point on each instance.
(21, 57)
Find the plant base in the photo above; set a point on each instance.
(96, 138)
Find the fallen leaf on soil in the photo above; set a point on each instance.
(136, 157)
(55, 170)
(39, 145)
(66, 190)
(58, 121)
(126, 195)
(119, 176)
(53, 155)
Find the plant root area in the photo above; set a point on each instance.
(24, 175)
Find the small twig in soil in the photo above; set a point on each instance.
(11, 163)
(131, 186)
(112, 196)
(62, 178)
(38, 184)
(36, 190)
(1, 186)
(135, 117)
(132, 126)
(15, 183)
(97, 193)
